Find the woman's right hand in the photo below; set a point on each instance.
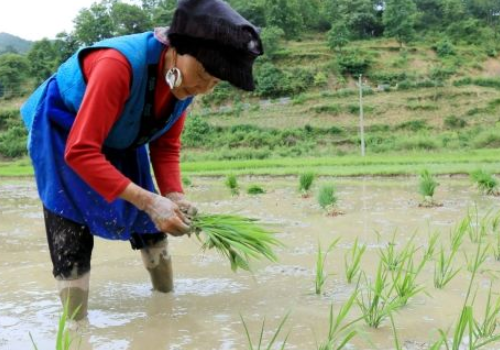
(165, 214)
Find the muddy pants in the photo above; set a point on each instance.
(71, 244)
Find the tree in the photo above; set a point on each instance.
(162, 13)
(95, 23)
(285, 14)
(360, 17)
(13, 73)
(66, 44)
(129, 19)
(338, 36)
(399, 20)
(43, 59)
(252, 10)
(271, 39)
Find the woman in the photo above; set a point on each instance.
(92, 124)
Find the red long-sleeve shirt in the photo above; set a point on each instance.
(108, 75)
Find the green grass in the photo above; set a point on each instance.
(255, 190)
(321, 275)
(273, 342)
(352, 165)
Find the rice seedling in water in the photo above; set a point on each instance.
(63, 339)
(236, 237)
(305, 183)
(405, 281)
(391, 257)
(479, 259)
(340, 332)
(272, 342)
(352, 261)
(485, 181)
(426, 187)
(444, 271)
(496, 247)
(376, 301)
(186, 181)
(457, 235)
(232, 184)
(431, 246)
(478, 227)
(255, 189)
(486, 328)
(327, 199)
(321, 276)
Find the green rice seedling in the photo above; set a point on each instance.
(376, 301)
(479, 259)
(186, 181)
(405, 281)
(340, 332)
(496, 247)
(486, 328)
(63, 338)
(321, 257)
(478, 227)
(392, 258)
(327, 198)
(272, 342)
(485, 181)
(255, 189)
(426, 187)
(352, 261)
(305, 183)
(397, 344)
(457, 235)
(236, 237)
(444, 271)
(431, 246)
(495, 223)
(232, 184)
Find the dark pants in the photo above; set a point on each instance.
(71, 244)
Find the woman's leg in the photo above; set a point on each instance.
(156, 258)
(70, 246)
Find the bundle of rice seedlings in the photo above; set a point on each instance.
(236, 237)
(427, 187)
(232, 184)
(255, 189)
(485, 181)
(305, 182)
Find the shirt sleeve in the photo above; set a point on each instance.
(108, 87)
(165, 154)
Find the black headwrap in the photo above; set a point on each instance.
(224, 42)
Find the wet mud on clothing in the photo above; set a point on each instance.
(71, 245)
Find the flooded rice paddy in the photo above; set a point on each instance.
(204, 311)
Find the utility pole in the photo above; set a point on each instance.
(361, 122)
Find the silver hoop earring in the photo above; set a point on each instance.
(173, 78)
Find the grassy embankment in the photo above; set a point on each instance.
(448, 125)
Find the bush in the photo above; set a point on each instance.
(13, 142)
(487, 139)
(354, 63)
(453, 122)
(444, 48)
(255, 189)
(196, 131)
(330, 109)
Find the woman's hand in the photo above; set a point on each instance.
(166, 215)
(184, 205)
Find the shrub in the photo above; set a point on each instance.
(413, 125)
(196, 131)
(354, 63)
(444, 48)
(255, 189)
(13, 142)
(453, 122)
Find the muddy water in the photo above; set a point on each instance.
(203, 313)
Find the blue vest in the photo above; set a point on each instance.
(49, 114)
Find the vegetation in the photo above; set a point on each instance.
(321, 257)
(255, 189)
(305, 182)
(232, 184)
(327, 199)
(352, 261)
(426, 187)
(272, 342)
(485, 181)
(235, 237)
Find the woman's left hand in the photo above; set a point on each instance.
(184, 205)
